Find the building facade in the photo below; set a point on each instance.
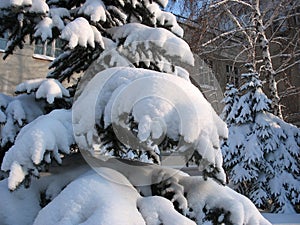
(25, 64)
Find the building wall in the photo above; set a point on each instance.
(19, 67)
(290, 96)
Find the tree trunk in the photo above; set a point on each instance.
(267, 67)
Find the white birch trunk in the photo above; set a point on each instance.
(267, 62)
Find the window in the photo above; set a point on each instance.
(48, 50)
(3, 42)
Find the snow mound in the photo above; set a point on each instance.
(116, 56)
(39, 141)
(4, 100)
(4, 4)
(44, 88)
(57, 15)
(13, 205)
(31, 198)
(94, 201)
(2, 117)
(38, 6)
(81, 196)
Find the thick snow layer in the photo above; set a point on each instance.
(283, 219)
(5, 4)
(163, 3)
(119, 56)
(109, 197)
(138, 35)
(45, 88)
(2, 117)
(173, 106)
(202, 194)
(165, 19)
(60, 12)
(50, 184)
(159, 210)
(57, 15)
(80, 32)
(39, 6)
(94, 200)
(19, 2)
(44, 29)
(42, 139)
(95, 9)
(19, 207)
(4, 100)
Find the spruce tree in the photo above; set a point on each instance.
(262, 152)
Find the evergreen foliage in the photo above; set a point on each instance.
(262, 152)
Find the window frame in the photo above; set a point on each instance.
(3, 40)
(47, 50)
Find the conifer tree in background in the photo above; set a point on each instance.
(231, 97)
(262, 152)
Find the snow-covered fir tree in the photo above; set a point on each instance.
(229, 100)
(262, 152)
(132, 103)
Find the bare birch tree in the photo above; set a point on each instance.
(263, 33)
